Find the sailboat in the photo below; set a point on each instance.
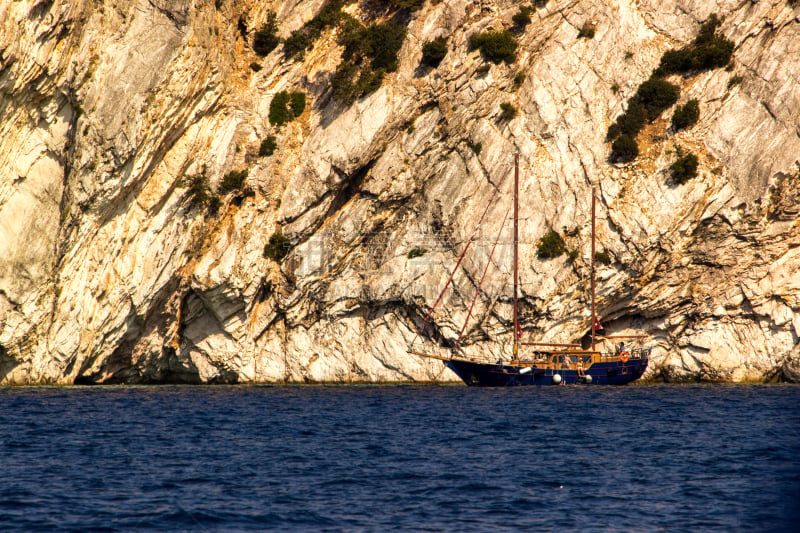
(547, 363)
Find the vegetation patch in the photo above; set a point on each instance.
(268, 146)
(433, 52)
(417, 252)
(708, 51)
(297, 102)
(522, 18)
(233, 181)
(684, 169)
(736, 80)
(410, 5)
(197, 190)
(656, 94)
(383, 42)
(624, 149)
(587, 31)
(507, 111)
(369, 53)
(602, 257)
(303, 39)
(495, 46)
(278, 247)
(686, 115)
(651, 99)
(551, 245)
(213, 206)
(286, 106)
(331, 16)
(573, 255)
(630, 122)
(266, 38)
(200, 195)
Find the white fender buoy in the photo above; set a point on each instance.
(587, 378)
(525, 370)
(556, 378)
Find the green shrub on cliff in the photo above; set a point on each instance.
(686, 115)
(268, 146)
(602, 257)
(495, 46)
(522, 18)
(630, 122)
(369, 53)
(197, 190)
(551, 245)
(624, 149)
(685, 168)
(656, 95)
(232, 181)
(286, 106)
(507, 111)
(385, 40)
(298, 42)
(279, 109)
(297, 102)
(302, 39)
(433, 52)
(651, 99)
(278, 247)
(266, 38)
(708, 51)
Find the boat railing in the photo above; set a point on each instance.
(633, 353)
(580, 360)
(573, 359)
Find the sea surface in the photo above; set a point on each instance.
(400, 458)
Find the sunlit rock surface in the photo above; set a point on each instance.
(112, 270)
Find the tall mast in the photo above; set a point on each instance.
(516, 246)
(594, 317)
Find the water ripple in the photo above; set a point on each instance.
(683, 458)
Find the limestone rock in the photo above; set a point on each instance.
(123, 258)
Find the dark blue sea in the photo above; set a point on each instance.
(400, 458)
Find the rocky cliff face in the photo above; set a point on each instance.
(117, 119)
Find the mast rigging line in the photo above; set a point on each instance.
(478, 288)
(460, 259)
(517, 331)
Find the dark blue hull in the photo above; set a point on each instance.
(499, 375)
